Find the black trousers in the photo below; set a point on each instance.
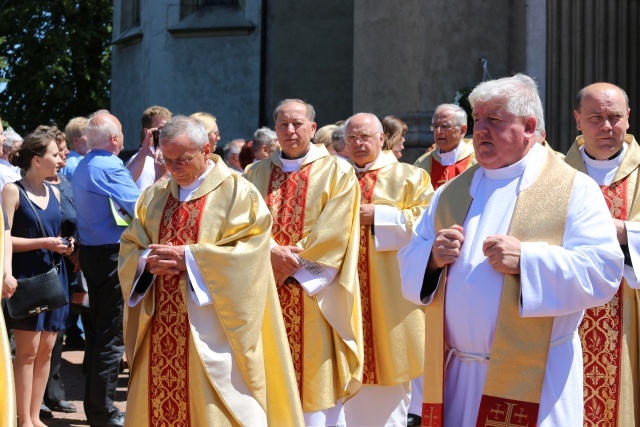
(104, 337)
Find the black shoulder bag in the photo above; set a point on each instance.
(40, 293)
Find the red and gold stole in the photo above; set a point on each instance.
(170, 332)
(440, 175)
(601, 334)
(287, 201)
(367, 182)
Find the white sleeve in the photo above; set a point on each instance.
(631, 273)
(585, 271)
(135, 297)
(391, 232)
(413, 258)
(314, 277)
(198, 288)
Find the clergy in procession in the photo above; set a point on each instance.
(453, 154)
(204, 335)
(507, 257)
(611, 157)
(314, 199)
(392, 197)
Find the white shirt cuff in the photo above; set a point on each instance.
(198, 288)
(391, 232)
(135, 297)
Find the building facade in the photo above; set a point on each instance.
(236, 58)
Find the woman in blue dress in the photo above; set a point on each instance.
(32, 253)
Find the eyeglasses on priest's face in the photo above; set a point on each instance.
(364, 138)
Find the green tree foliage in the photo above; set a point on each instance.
(58, 60)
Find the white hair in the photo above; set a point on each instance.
(373, 117)
(520, 93)
(461, 115)
(12, 137)
(99, 132)
(182, 125)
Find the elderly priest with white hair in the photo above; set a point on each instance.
(204, 334)
(519, 246)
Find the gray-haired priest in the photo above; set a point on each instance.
(507, 257)
(203, 330)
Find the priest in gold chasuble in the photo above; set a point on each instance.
(393, 196)
(506, 258)
(204, 334)
(453, 154)
(609, 333)
(314, 199)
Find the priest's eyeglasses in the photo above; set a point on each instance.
(365, 138)
(179, 161)
(442, 126)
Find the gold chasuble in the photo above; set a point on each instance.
(174, 380)
(431, 162)
(393, 328)
(512, 389)
(8, 414)
(609, 333)
(317, 210)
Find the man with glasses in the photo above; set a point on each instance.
(454, 154)
(393, 196)
(104, 193)
(314, 199)
(204, 334)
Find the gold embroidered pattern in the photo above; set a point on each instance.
(367, 182)
(169, 352)
(287, 199)
(601, 336)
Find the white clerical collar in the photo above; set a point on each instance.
(529, 167)
(511, 171)
(450, 158)
(294, 165)
(364, 169)
(187, 191)
(603, 171)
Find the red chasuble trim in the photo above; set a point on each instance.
(170, 331)
(367, 181)
(501, 412)
(287, 201)
(432, 415)
(441, 174)
(601, 334)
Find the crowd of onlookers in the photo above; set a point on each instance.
(39, 168)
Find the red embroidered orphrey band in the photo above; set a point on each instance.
(601, 333)
(287, 199)
(170, 332)
(367, 182)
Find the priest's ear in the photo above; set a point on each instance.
(530, 125)
(206, 149)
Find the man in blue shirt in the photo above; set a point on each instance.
(105, 197)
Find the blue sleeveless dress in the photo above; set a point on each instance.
(31, 263)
